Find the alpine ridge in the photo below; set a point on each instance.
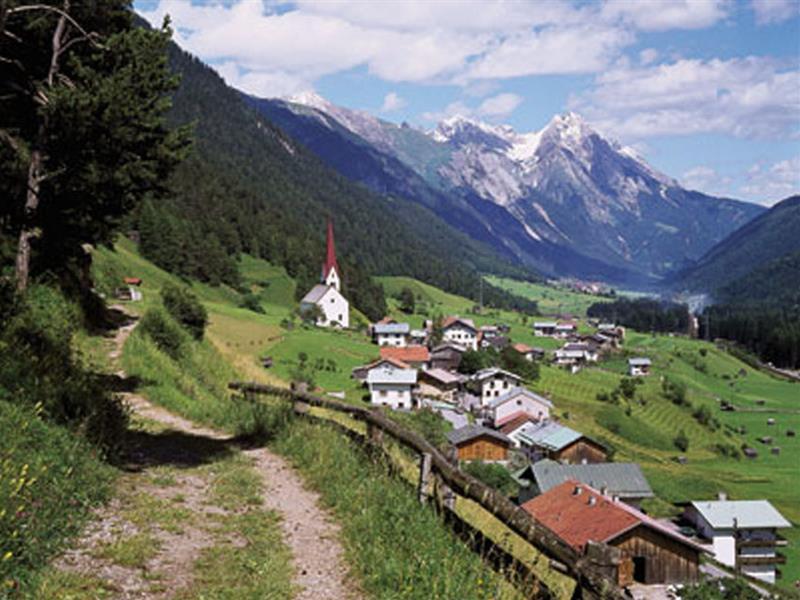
(565, 199)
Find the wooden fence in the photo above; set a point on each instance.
(592, 572)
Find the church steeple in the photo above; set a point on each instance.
(330, 270)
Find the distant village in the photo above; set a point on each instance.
(565, 479)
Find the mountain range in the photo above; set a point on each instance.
(564, 200)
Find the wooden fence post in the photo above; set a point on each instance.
(425, 460)
(374, 435)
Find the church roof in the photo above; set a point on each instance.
(316, 293)
(330, 255)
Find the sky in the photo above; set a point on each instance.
(708, 91)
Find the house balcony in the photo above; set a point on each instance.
(756, 543)
(754, 559)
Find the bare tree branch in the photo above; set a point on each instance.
(62, 12)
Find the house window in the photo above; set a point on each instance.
(519, 402)
(340, 318)
(333, 300)
(505, 385)
(383, 393)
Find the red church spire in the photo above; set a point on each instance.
(330, 256)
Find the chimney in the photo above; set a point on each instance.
(592, 501)
(722, 496)
(577, 491)
(604, 490)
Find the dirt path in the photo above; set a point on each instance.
(170, 506)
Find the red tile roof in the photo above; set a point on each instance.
(522, 348)
(578, 518)
(133, 281)
(386, 321)
(409, 354)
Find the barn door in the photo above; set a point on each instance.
(640, 569)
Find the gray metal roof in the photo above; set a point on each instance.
(444, 376)
(543, 324)
(402, 328)
(316, 293)
(518, 391)
(386, 374)
(493, 371)
(625, 480)
(639, 362)
(749, 514)
(469, 432)
(549, 434)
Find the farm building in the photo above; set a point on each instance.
(565, 329)
(544, 328)
(474, 442)
(460, 331)
(638, 367)
(645, 550)
(498, 342)
(440, 384)
(416, 356)
(743, 534)
(529, 352)
(391, 334)
(392, 387)
(517, 402)
(560, 443)
(493, 383)
(624, 481)
(326, 295)
(446, 356)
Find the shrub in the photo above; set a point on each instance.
(251, 302)
(186, 309)
(494, 475)
(163, 331)
(681, 441)
(674, 391)
(39, 366)
(627, 387)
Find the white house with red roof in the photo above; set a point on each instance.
(327, 295)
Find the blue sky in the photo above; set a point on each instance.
(708, 91)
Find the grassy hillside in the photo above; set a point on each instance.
(642, 430)
(551, 300)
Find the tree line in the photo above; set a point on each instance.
(643, 314)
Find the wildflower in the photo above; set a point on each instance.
(7, 556)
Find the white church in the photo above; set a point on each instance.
(327, 295)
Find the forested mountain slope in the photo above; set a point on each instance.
(770, 236)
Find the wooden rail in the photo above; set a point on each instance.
(592, 576)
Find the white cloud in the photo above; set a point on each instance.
(550, 51)
(499, 106)
(707, 180)
(768, 185)
(752, 97)
(391, 102)
(660, 15)
(775, 11)
(648, 56)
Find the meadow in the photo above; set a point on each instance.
(641, 430)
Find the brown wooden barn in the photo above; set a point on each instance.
(558, 442)
(475, 442)
(646, 550)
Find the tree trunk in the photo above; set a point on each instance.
(36, 167)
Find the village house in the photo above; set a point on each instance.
(446, 356)
(492, 383)
(529, 352)
(517, 402)
(617, 332)
(460, 331)
(415, 356)
(552, 440)
(544, 328)
(565, 329)
(360, 373)
(134, 294)
(489, 331)
(439, 384)
(639, 549)
(391, 334)
(475, 442)
(574, 356)
(623, 481)
(391, 386)
(418, 337)
(638, 367)
(743, 534)
(516, 425)
(498, 342)
(334, 309)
